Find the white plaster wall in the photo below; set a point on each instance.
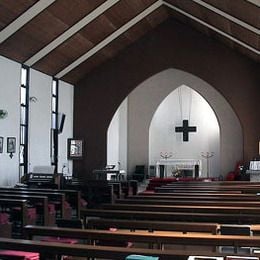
(144, 100)
(113, 141)
(123, 136)
(117, 138)
(185, 103)
(39, 119)
(66, 95)
(9, 100)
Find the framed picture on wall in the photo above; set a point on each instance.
(1, 144)
(75, 148)
(11, 144)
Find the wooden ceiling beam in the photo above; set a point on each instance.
(27, 16)
(110, 38)
(212, 28)
(71, 31)
(228, 16)
(254, 2)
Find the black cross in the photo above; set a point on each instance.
(185, 129)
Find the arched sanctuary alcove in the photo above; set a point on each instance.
(142, 103)
(185, 104)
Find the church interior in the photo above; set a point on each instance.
(129, 129)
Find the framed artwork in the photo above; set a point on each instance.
(75, 149)
(11, 144)
(1, 144)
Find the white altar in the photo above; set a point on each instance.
(254, 175)
(168, 167)
(254, 171)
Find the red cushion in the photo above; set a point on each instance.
(4, 218)
(31, 213)
(83, 203)
(66, 204)
(22, 254)
(230, 176)
(51, 209)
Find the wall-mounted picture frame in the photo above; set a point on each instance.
(11, 144)
(1, 144)
(75, 148)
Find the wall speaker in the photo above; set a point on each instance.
(61, 121)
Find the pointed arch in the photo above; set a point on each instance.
(144, 100)
(185, 103)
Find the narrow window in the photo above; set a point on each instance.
(54, 124)
(24, 121)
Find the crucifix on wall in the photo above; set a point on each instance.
(185, 129)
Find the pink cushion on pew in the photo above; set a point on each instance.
(4, 218)
(22, 254)
(66, 204)
(83, 203)
(51, 208)
(31, 213)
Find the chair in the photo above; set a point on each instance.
(152, 171)
(228, 229)
(139, 173)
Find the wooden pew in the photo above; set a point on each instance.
(171, 216)
(214, 183)
(152, 225)
(204, 184)
(222, 189)
(39, 202)
(101, 252)
(71, 196)
(188, 202)
(93, 191)
(184, 208)
(53, 197)
(159, 238)
(199, 196)
(8, 205)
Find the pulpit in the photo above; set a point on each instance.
(173, 167)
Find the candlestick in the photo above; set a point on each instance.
(166, 155)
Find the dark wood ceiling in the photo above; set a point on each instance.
(112, 26)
